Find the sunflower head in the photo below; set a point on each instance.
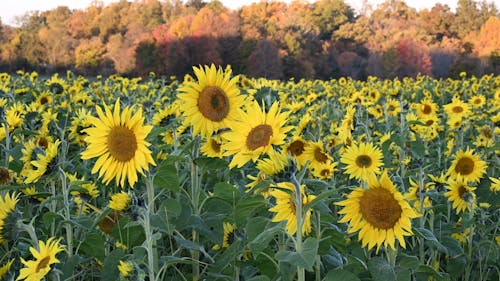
(362, 161)
(379, 213)
(467, 166)
(209, 103)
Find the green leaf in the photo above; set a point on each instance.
(381, 270)
(68, 268)
(50, 217)
(190, 245)
(410, 262)
(166, 177)
(247, 207)
(430, 239)
(425, 271)
(259, 278)
(340, 275)
(210, 163)
(93, 245)
(404, 275)
(110, 266)
(128, 233)
(305, 258)
(262, 240)
(226, 192)
(320, 198)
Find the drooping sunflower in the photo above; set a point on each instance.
(79, 123)
(45, 163)
(118, 140)
(255, 133)
(212, 147)
(362, 161)
(45, 256)
(229, 234)
(286, 209)
(7, 205)
(276, 163)
(119, 201)
(467, 166)
(461, 195)
(212, 101)
(379, 213)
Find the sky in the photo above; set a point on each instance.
(12, 8)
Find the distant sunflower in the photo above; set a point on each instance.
(118, 140)
(379, 213)
(119, 201)
(461, 195)
(285, 208)
(426, 108)
(457, 109)
(79, 123)
(255, 133)
(477, 101)
(5, 268)
(45, 163)
(467, 166)
(495, 185)
(5, 176)
(296, 148)
(212, 101)
(7, 205)
(362, 161)
(212, 147)
(316, 155)
(125, 268)
(45, 256)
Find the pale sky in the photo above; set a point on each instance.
(12, 8)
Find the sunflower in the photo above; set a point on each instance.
(45, 163)
(119, 201)
(5, 176)
(477, 101)
(457, 109)
(229, 234)
(5, 268)
(461, 195)
(125, 268)
(212, 147)
(45, 256)
(426, 108)
(285, 208)
(392, 107)
(255, 134)
(495, 185)
(379, 213)
(416, 194)
(211, 102)
(276, 163)
(362, 161)
(317, 156)
(296, 148)
(7, 205)
(119, 143)
(468, 166)
(79, 123)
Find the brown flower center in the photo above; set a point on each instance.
(122, 143)
(213, 103)
(215, 145)
(363, 161)
(429, 122)
(319, 155)
(109, 221)
(296, 148)
(4, 176)
(259, 136)
(43, 143)
(44, 100)
(379, 208)
(42, 264)
(427, 109)
(461, 191)
(457, 109)
(464, 166)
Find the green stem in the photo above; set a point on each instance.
(195, 197)
(391, 256)
(298, 215)
(67, 213)
(150, 240)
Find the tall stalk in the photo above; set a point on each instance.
(195, 198)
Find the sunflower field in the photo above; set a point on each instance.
(218, 176)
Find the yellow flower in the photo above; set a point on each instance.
(285, 208)
(362, 161)
(495, 184)
(45, 164)
(318, 158)
(380, 214)
(461, 195)
(7, 205)
(255, 134)
(118, 140)
(212, 147)
(5, 176)
(125, 268)
(45, 256)
(5, 268)
(211, 102)
(467, 166)
(296, 148)
(119, 201)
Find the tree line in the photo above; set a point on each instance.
(325, 39)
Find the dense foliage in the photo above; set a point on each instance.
(325, 39)
(125, 179)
